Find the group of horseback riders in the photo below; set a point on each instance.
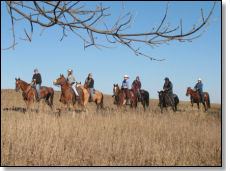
(89, 83)
(136, 85)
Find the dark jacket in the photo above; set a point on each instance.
(38, 78)
(136, 85)
(168, 87)
(89, 82)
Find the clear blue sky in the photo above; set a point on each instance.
(185, 62)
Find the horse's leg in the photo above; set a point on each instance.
(74, 108)
(161, 109)
(28, 105)
(68, 107)
(204, 106)
(198, 105)
(62, 107)
(143, 104)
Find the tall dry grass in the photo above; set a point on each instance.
(109, 138)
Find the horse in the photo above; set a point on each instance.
(120, 97)
(165, 100)
(67, 94)
(144, 98)
(97, 97)
(195, 98)
(29, 94)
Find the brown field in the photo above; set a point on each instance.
(189, 137)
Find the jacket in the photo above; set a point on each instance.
(71, 79)
(125, 84)
(38, 78)
(89, 82)
(168, 86)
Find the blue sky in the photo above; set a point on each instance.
(185, 62)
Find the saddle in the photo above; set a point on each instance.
(88, 89)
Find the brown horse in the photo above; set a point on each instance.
(120, 97)
(67, 94)
(195, 98)
(97, 97)
(29, 93)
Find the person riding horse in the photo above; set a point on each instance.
(37, 79)
(89, 84)
(199, 87)
(136, 86)
(125, 88)
(168, 87)
(72, 81)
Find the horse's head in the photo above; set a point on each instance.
(18, 84)
(32, 83)
(115, 89)
(78, 84)
(160, 94)
(188, 91)
(60, 81)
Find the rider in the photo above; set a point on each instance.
(125, 87)
(168, 87)
(89, 83)
(38, 81)
(199, 87)
(72, 81)
(136, 86)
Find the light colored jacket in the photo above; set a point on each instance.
(125, 84)
(71, 79)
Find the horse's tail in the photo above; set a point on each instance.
(51, 97)
(147, 98)
(176, 100)
(209, 104)
(102, 99)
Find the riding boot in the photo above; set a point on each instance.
(38, 98)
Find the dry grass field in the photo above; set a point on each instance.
(189, 137)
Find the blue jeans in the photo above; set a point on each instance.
(138, 93)
(202, 96)
(91, 93)
(38, 89)
(171, 96)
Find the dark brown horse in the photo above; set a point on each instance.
(195, 98)
(67, 94)
(144, 97)
(165, 101)
(29, 93)
(120, 97)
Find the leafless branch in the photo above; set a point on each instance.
(84, 23)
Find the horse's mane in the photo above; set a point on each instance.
(81, 86)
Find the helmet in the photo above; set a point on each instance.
(166, 78)
(126, 76)
(70, 70)
(199, 79)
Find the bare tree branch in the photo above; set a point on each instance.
(83, 22)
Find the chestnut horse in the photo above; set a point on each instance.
(97, 97)
(120, 97)
(195, 98)
(67, 94)
(29, 93)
